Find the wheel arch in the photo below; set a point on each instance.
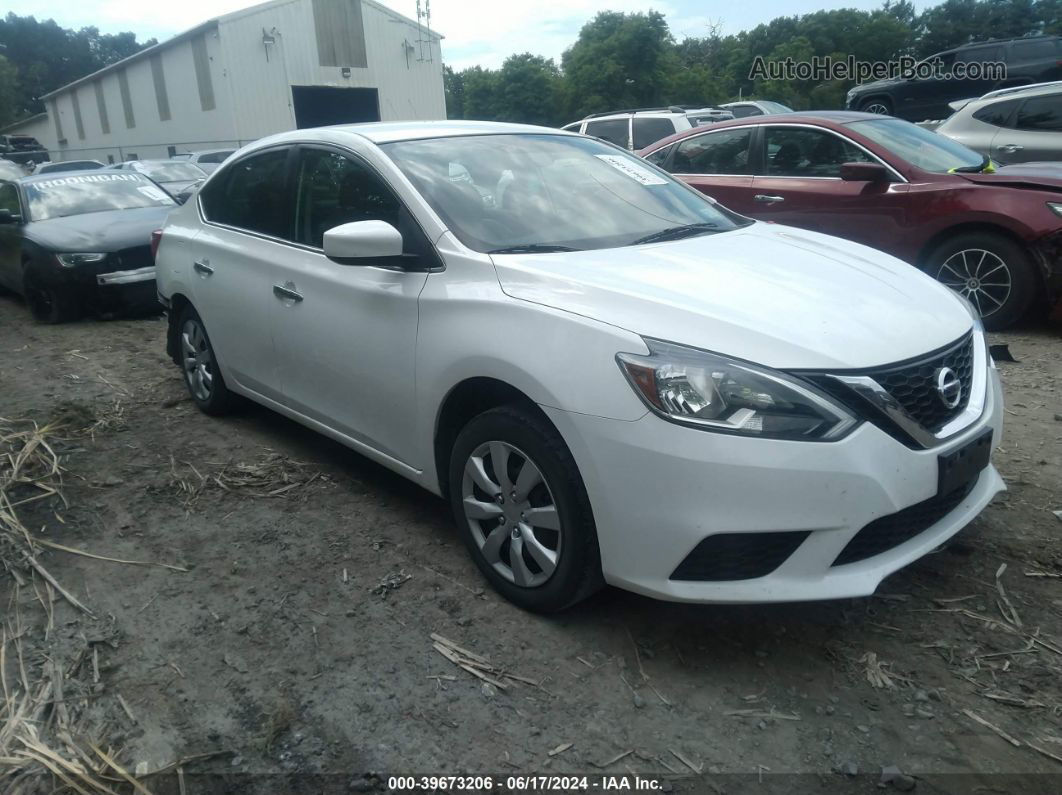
(463, 401)
(178, 301)
(981, 228)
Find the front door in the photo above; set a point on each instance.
(346, 335)
(10, 240)
(801, 186)
(718, 165)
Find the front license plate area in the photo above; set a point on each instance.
(959, 467)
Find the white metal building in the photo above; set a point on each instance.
(277, 66)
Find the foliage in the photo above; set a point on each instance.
(46, 56)
(626, 60)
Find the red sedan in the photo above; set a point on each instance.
(890, 184)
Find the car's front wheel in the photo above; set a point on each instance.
(992, 271)
(879, 105)
(48, 302)
(521, 507)
(199, 364)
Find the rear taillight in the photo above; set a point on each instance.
(156, 238)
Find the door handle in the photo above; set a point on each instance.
(202, 266)
(285, 293)
(1012, 147)
(766, 199)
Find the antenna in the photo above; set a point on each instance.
(424, 31)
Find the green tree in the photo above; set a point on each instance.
(8, 91)
(454, 89)
(619, 60)
(480, 94)
(527, 90)
(48, 56)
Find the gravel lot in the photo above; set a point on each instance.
(299, 640)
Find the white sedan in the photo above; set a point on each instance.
(609, 377)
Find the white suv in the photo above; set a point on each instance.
(609, 377)
(633, 129)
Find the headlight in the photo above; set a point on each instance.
(71, 260)
(715, 393)
(1055, 207)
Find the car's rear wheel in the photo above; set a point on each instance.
(199, 364)
(992, 271)
(49, 303)
(521, 507)
(879, 105)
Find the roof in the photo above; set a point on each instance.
(1035, 89)
(6, 130)
(389, 131)
(208, 25)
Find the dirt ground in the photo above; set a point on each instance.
(297, 645)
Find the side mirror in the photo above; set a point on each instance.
(8, 217)
(864, 172)
(361, 242)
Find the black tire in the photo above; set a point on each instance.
(49, 303)
(215, 399)
(871, 105)
(978, 264)
(577, 572)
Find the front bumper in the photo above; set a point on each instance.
(659, 489)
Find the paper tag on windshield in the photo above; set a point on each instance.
(153, 193)
(635, 171)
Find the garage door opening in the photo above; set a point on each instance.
(319, 106)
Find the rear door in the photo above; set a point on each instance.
(237, 258)
(617, 131)
(1036, 132)
(800, 184)
(646, 131)
(717, 163)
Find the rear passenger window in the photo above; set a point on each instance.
(648, 131)
(998, 113)
(1041, 113)
(251, 195)
(723, 152)
(1034, 50)
(613, 130)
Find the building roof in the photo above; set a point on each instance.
(208, 25)
(15, 125)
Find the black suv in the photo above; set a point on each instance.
(1033, 59)
(22, 149)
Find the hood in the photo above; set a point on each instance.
(1038, 176)
(107, 231)
(180, 186)
(770, 294)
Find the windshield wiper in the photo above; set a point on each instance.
(985, 161)
(532, 248)
(677, 233)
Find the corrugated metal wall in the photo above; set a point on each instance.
(250, 81)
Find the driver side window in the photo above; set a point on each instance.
(332, 189)
(801, 152)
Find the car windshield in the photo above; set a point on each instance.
(774, 107)
(919, 146)
(171, 172)
(550, 192)
(92, 193)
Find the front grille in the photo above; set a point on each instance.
(134, 257)
(890, 531)
(738, 556)
(914, 385)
